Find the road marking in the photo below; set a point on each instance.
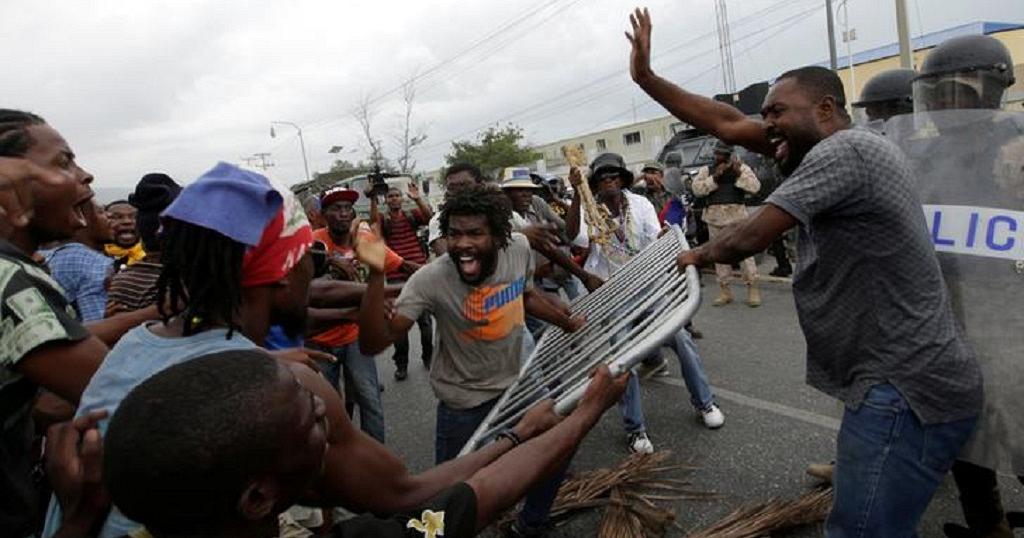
(764, 405)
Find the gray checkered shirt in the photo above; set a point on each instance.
(868, 290)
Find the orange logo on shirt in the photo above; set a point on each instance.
(497, 310)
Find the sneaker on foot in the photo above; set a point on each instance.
(822, 471)
(658, 370)
(639, 443)
(401, 374)
(712, 417)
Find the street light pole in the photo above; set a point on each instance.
(831, 23)
(302, 143)
(903, 31)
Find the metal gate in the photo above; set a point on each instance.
(637, 310)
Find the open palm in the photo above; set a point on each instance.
(640, 58)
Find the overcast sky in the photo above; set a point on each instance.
(140, 86)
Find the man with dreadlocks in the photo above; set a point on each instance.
(479, 292)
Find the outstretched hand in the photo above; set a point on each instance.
(74, 463)
(369, 247)
(603, 390)
(640, 58)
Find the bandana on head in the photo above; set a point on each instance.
(253, 210)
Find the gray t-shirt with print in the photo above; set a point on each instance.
(868, 289)
(480, 328)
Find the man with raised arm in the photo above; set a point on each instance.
(880, 333)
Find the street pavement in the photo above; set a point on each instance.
(775, 424)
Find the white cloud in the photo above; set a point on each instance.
(140, 85)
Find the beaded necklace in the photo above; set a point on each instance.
(622, 249)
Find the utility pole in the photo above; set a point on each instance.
(249, 161)
(830, 19)
(903, 30)
(849, 35)
(264, 161)
(302, 143)
(725, 46)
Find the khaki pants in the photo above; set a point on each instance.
(724, 271)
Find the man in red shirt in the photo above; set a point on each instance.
(342, 340)
(399, 227)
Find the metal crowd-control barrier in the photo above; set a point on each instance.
(638, 309)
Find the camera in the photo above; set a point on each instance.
(378, 182)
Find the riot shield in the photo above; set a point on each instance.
(969, 173)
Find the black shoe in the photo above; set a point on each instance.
(780, 272)
(1015, 519)
(518, 530)
(952, 530)
(401, 373)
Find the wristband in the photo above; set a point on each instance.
(511, 436)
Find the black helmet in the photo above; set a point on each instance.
(609, 162)
(891, 85)
(885, 95)
(969, 71)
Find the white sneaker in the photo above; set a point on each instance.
(639, 443)
(712, 417)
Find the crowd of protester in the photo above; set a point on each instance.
(190, 361)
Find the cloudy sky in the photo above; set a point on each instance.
(145, 85)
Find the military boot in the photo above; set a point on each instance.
(724, 296)
(753, 295)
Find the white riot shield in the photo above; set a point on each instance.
(969, 168)
(640, 308)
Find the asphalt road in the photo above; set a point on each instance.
(775, 424)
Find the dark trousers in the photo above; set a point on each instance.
(979, 496)
(401, 356)
(778, 250)
(456, 426)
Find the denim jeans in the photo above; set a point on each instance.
(693, 373)
(631, 406)
(888, 466)
(401, 356)
(456, 426)
(362, 387)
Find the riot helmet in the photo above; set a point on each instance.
(970, 71)
(885, 95)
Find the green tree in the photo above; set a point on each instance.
(494, 149)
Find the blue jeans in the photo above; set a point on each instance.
(456, 426)
(888, 466)
(362, 386)
(631, 406)
(693, 373)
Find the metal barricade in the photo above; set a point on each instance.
(637, 310)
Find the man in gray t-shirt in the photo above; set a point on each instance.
(479, 292)
(879, 329)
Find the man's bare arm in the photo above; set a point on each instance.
(110, 330)
(502, 483)
(64, 368)
(327, 293)
(364, 475)
(744, 239)
(376, 331)
(721, 120)
(552, 311)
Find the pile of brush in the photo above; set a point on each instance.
(629, 495)
(772, 516)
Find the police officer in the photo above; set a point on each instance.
(885, 95)
(725, 185)
(959, 156)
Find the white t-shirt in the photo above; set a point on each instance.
(643, 230)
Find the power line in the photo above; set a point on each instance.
(550, 102)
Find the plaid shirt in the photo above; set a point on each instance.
(83, 273)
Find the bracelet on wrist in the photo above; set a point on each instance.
(511, 436)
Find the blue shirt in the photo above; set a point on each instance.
(139, 355)
(83, 273)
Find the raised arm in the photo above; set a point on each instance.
(721, 120)
(376, 331)
(414, 195)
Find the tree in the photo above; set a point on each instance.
(364, 112)
(405, 138)
(495, 148)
